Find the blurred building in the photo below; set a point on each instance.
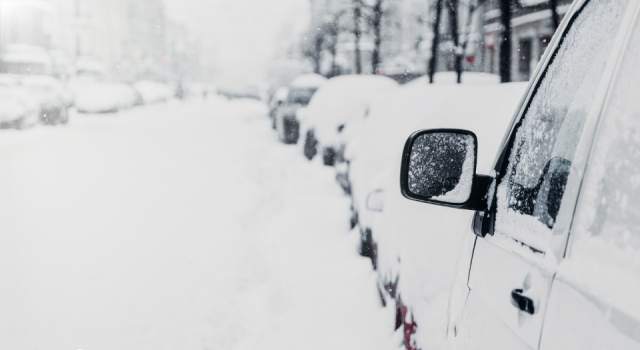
(407, 35)
(532, 29)
(404, 28)
(121, 40)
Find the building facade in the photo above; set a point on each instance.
(532, 28)
(116, 40)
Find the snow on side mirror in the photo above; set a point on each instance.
(439, 167)
(375, 200)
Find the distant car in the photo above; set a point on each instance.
(400, 69)
(276, 101)
(96, 97)
(54, 98)
(300, 92)
(337, 111)
(18, 109)
(153, 92)
(23, 59)
(549, 259)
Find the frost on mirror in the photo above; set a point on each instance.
(441, 167)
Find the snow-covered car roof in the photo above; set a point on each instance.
(308, 81)
(342, 99)
(43, 81)
(104, 97)
(88, 64)
(281, 94)
(22, 53)
(152, 91)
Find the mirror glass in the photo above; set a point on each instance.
(441, 167)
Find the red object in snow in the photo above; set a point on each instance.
(165, 60)
(471, 59)
(410, 328)
(378, 71)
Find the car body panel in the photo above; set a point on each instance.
(499, 266)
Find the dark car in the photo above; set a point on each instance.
(300, 93)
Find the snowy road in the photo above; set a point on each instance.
(178, 226)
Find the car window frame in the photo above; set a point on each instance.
(565, 215)
(633, 19)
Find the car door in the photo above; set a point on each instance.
(594, 302)
(514, 265)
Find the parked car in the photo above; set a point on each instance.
(54, 98)
(342, 101)
(23, 59)
(97, 97)
(153, 91)
(18, 108)
(300, 92)
(414, 247)
(276, 101)
(51, 97)
(391, 117)
(550, 259)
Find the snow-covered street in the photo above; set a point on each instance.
(178, 226)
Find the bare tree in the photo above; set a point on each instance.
(553, 5)
(312, 48)
(374, 17)
(332, 29)
(505, 45)
(505, 20)
(452, 10)
(357, 17)
(435, 41)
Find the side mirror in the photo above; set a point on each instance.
(439, 167)
(375, 200)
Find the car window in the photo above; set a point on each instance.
(604, 252)
(300, 96)
(531, 190)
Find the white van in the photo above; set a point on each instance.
(551, 259)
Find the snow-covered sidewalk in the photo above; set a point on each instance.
(178, 226)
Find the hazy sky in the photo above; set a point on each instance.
(240, 36)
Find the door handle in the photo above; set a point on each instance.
(522, 302)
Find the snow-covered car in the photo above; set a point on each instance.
(23, 59)
(276, 101)
(391, 117)
(342, 101)
(95, 97)
(300, 92)
(401, 69)
(153, 91)
(17, 108)
(414, 247)
(550, 254)
(54, 98)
